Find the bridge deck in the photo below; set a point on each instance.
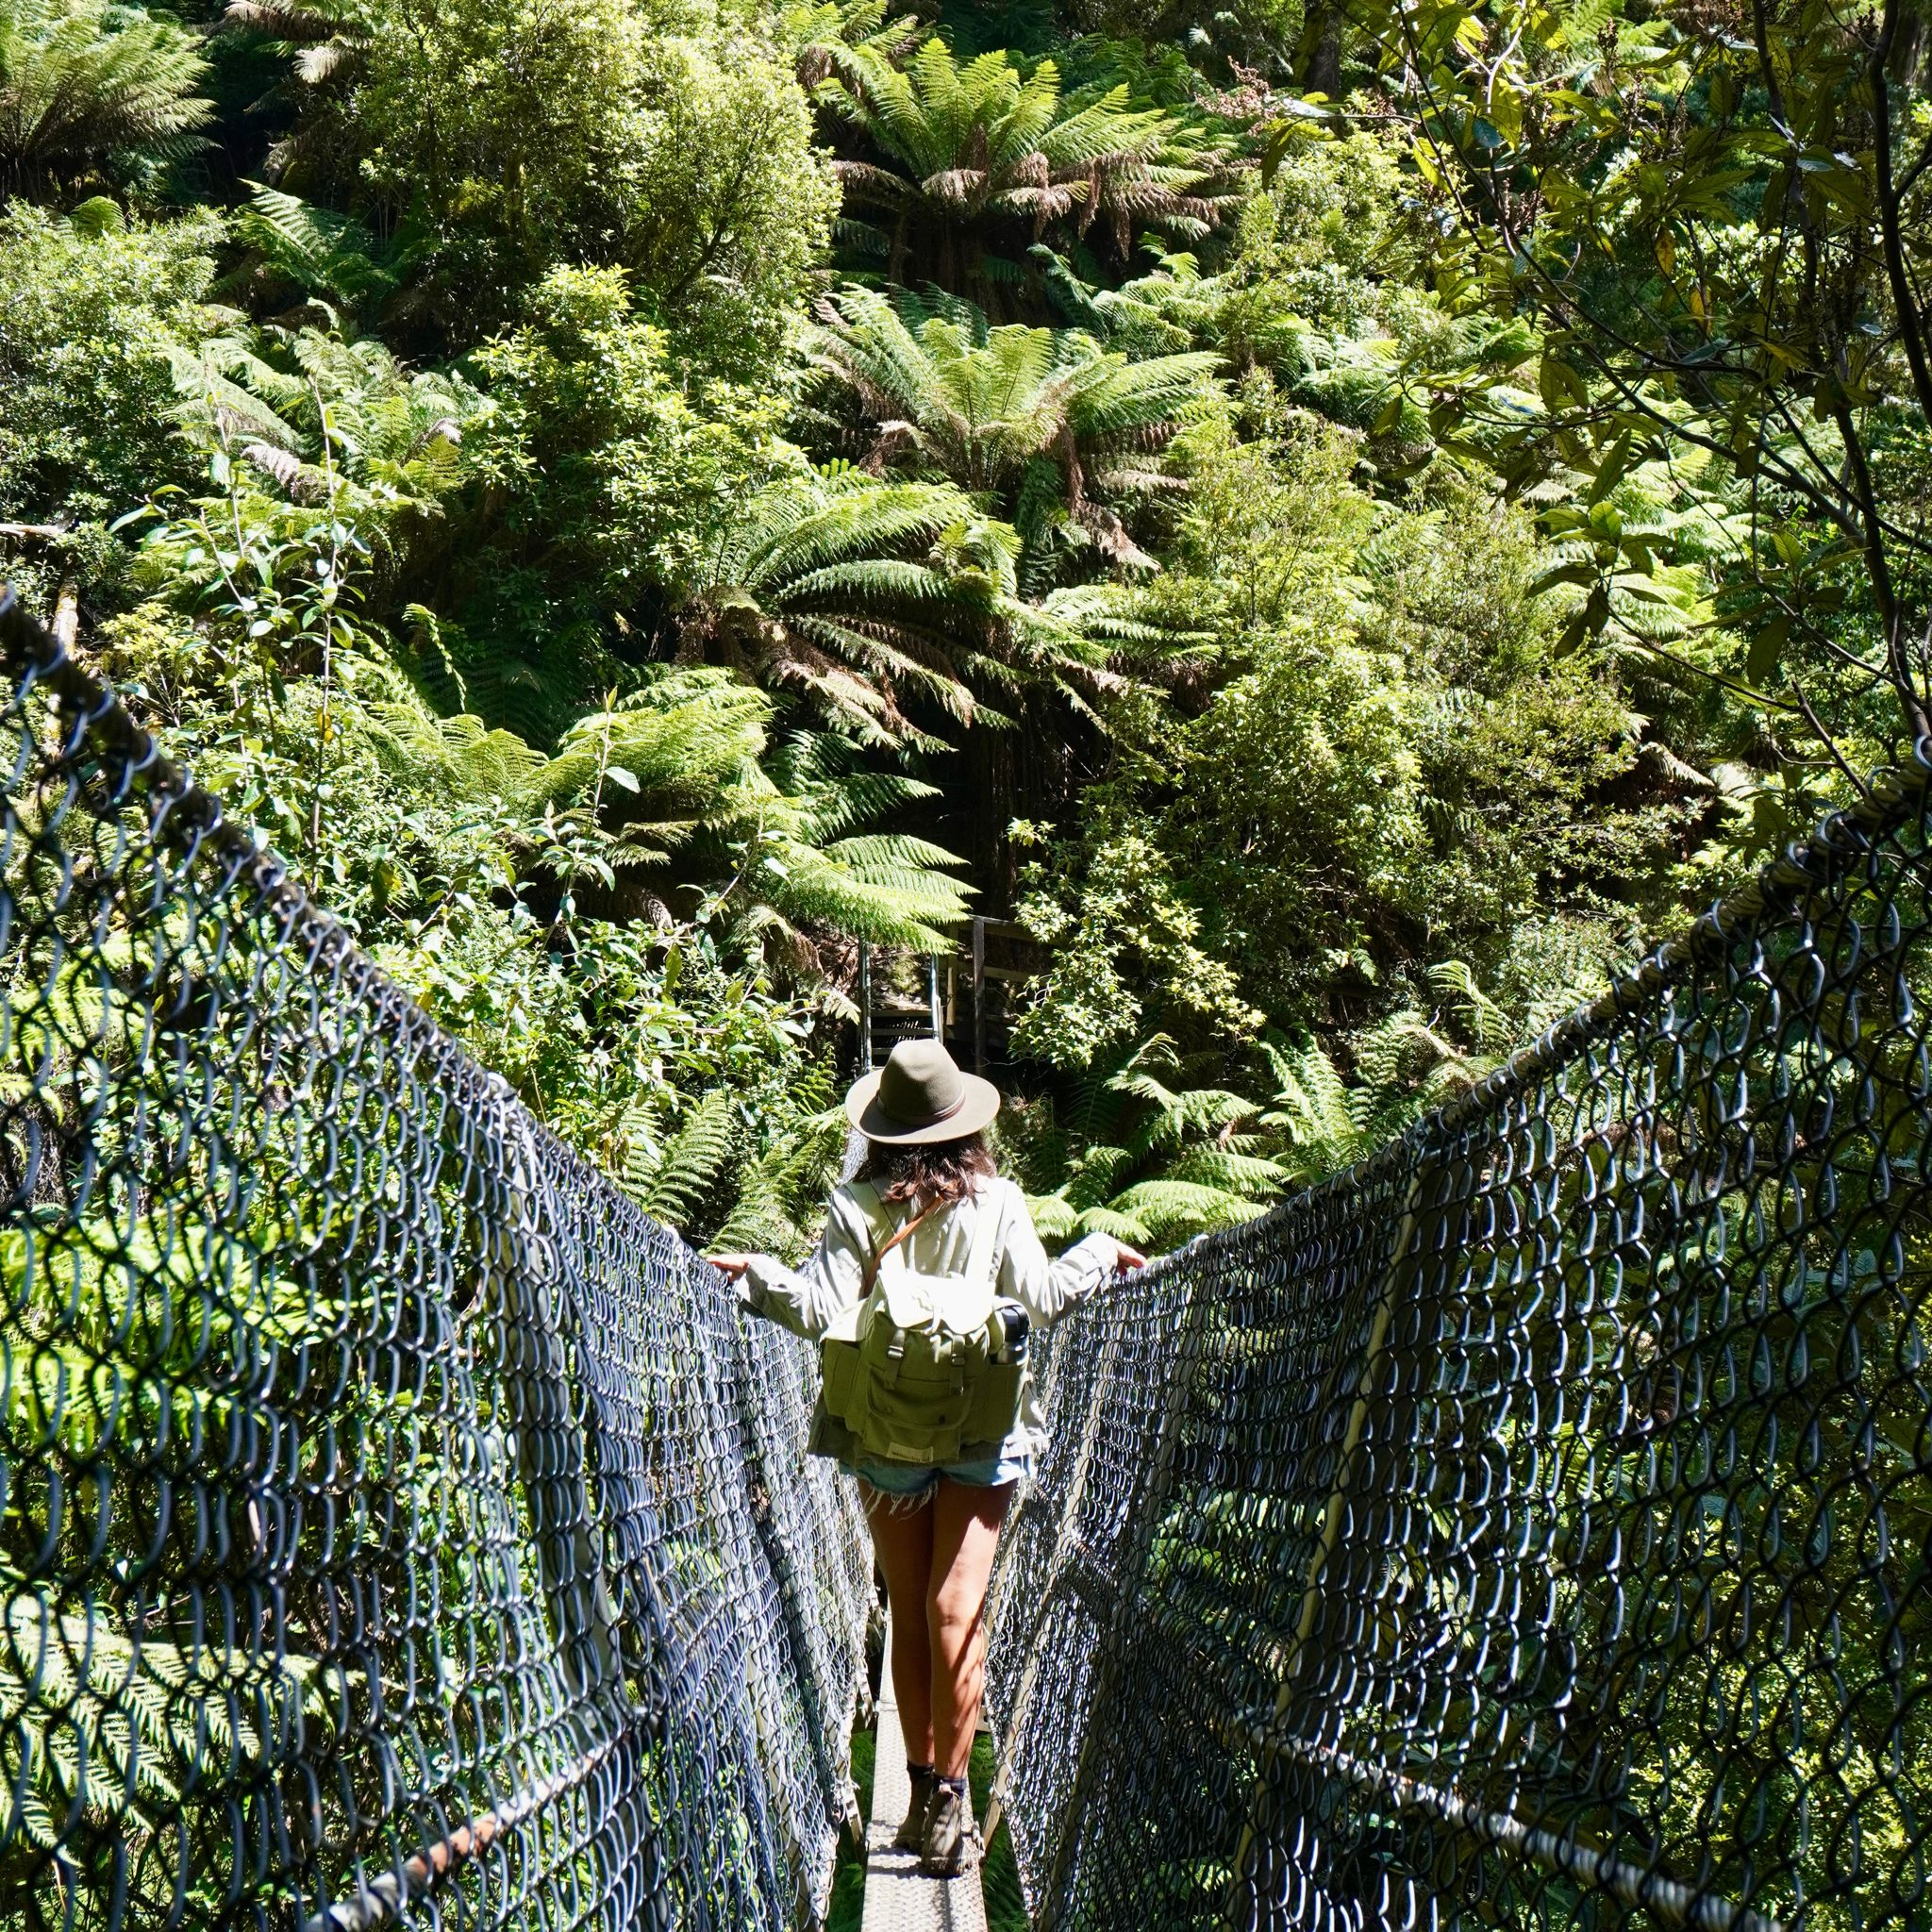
(898, 1898)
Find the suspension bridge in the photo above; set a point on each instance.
(1529, 1528)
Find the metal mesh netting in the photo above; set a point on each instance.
(1531, 1527)
(395, 1525)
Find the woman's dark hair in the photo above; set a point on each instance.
(930, 1171)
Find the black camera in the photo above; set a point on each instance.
(1013, 1318)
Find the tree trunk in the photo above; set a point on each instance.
(1318, 54)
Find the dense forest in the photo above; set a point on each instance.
(1347, 523)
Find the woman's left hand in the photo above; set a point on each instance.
(1127, 1257)
(730, 1266)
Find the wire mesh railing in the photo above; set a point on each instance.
(395, 1525)
(1532, 1528)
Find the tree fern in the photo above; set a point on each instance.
(118, 1722)
(327, 455)
(892, 892)
(1050, 425)
(225, 390)
(83, 82)
(1168, 1210)
(394, 435)
(674, 780)
(1239, 1169)
(1313, 1110)
(1489, 1029)
(1143, 1157)
(678, 751)
(825, 35)
(836, 787)
(856, 596)
(459, 757)
(781, 1194)
(975, 157)
(326, 41)
(1403, 1065)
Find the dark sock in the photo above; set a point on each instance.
(916, 1771)
(955, 1785)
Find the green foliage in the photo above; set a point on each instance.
(325, 39)
(1128, 1153)
(605, 473)
(1044, 424)
(1392, 762)
(672, 1177)
(353, 417)
(90, 85)
(1721, 238)
(92, 316)
(667, 141)
(972, 155)
(1321, 268)
(134, 1718)
(597, 920)
(1124, 935)
(331, 465)
(1338, 535)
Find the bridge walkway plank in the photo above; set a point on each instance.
(897, 1897)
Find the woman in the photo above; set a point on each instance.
(929, 1200)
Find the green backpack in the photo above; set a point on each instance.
(922, 1366)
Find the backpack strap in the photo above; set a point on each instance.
(892, 1242)
(982, 1261)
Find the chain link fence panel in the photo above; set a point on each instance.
(1532, 1528)
(396, 1527)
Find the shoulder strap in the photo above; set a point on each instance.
(982, 1262)
(891, 1243)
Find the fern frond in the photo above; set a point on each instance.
(81, 80)
(669, 1187)
(321, 252)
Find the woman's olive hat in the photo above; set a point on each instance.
(919, 1096)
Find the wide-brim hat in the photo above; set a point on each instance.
(919, 1096)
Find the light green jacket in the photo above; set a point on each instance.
(857, 1225)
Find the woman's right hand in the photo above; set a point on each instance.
(1126, 1259)
(730, 1266)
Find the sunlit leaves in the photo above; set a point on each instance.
(86, 81)
(984, 153)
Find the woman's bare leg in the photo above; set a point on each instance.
(902, 1540)
(965, 1532)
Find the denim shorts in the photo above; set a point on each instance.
(914, 1479)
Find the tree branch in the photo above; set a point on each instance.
(1883, 593)
(1910, 334)
(1830, 743)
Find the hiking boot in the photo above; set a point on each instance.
(952, 1838)
(925, 1785)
